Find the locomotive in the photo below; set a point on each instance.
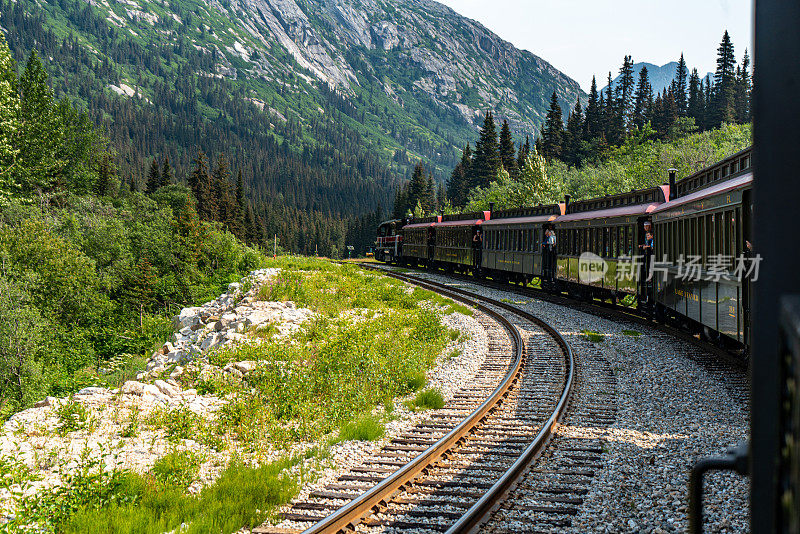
(676, 253)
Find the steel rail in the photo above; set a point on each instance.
(481, 509)
(353, 512)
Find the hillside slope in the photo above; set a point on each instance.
(390, 75)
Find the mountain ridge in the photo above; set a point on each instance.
(660, 76)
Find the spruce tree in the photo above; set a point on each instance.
(743, 89)
(10, 121)
(202, 186)
(553, 131)
(573, 136)
(429, 198)
(625, 89)
(458, 184)
(39, 165)
(221, 190)
(643, 99)
(153, 178)
(679, 82)
(611, 117)
(167, 175)
(486, 162)
(508, 156)
(594, 119)
(524, 152)
(724, 108)
(105, 184)
(696, 103)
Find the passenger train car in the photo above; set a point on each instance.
(699, 226)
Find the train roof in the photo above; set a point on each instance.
(423, 222)
(738, 182)
(623, 211)
(465, 222)
(734, 165)
(521, 220)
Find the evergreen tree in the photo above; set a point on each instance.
(524, 152)
(508, 156)
(724, 106)
(226, 202)
(743, 89)
(708, 97)
(611, 116)
(573, 136)
(458, 184)
(696, 102)
(167, 175)
(594, 118)
(429, 198)
(40, 134)
(441, 198)
(679, 83)
(486, 161)
(643, 99)
(10, 121)
(625, 90)
(153, 178)
(202, 186)
(106, 176)
(553, 131)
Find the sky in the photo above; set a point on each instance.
(586, 37)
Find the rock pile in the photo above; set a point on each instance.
(224, 321)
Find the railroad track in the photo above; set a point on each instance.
(604, 309)
(452, 469)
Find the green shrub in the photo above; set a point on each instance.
(72, 416)
(428, 399)
(416, 381)
(366, 428)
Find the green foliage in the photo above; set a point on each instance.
(592, 336)
(177, 468)
(72, 416)
(427, 399)
(632, 333)
(366, 428)
(96, 501)
(640, 162)
(101, 278)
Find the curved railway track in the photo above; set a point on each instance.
(449, 471)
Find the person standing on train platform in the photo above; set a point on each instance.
(477, 247)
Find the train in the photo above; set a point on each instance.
(678, 253)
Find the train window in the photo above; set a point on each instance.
(607, 241)
(730, 233)
(519, 240)
(525, 241)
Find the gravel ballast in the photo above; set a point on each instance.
(672, 409)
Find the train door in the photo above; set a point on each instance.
(747, 249)
(431, 244)
(644, 226)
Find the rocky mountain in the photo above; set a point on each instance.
(346, 86)
(660, 77)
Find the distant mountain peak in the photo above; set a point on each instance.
(660, 76)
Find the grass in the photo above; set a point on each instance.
(428, 399)
(336, 368)
(367, 428)
(178, 468)
(243, 497)
(594, 337)
(632, 333)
